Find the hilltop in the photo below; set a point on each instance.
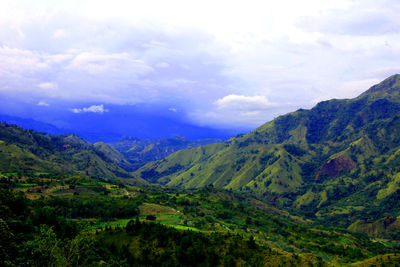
(327, 162)
(27, 153)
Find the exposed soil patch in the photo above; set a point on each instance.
(334, 166)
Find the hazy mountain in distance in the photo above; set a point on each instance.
(28, 123)
(139, 151)
(117, 121)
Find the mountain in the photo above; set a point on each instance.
(130, 153)
(28, 123)
(139, 151)
(114, 155)
(30, 153)
(148, 121)
(338, 162)
(305, 177)
(120, 121)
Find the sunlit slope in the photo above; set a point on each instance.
(327, 162)
(279, 155)
(139, 151)
(29, 153)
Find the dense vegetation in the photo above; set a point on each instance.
(35, 235)
(139, 151)
(315, 187)
(336, 163)
(64, 228)
(29, 153)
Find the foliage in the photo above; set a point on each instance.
(27, 153)
(105, 208)
(337, 162)
(324, 182)
(139, 151)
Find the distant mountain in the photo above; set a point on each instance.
(139, 151)
(28, 123)
(114, 155)
(30, 153)
(130, 153)
(338, 162)
(121, 121)
(140, 121)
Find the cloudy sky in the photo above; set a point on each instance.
(225, 63)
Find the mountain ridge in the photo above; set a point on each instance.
(386, 84)
(315, 160)
(139, 151)
(30, 153)
(321, 187)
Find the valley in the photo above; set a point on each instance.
(316, 187)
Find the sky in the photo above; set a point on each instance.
(220, 64)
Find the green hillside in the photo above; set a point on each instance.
(132, 226)
(114, 155)
(26, 153)
(337, 162)
(139, 151)
(315, 187)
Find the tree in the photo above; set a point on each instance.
(45, 249)
(7, 245)
(151, 217)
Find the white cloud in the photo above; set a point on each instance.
(239, 110)
(173, 109)
(103, 63)
(365, 18)
(244, 103)
(48, 85)
(179, 82)
(94, 109)
(353, 88)
(162, 65)
(251, 113)
(14, 61)
(243, 68)
(59, 34)
(43, 104)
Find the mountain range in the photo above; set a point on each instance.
(139, 151)
(29, 153)
(311, 188)
(337, 162)
(140, 121)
